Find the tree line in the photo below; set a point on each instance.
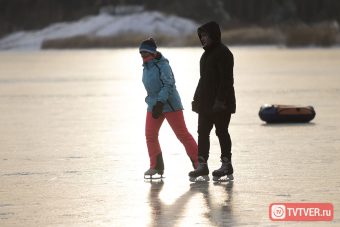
(34, 14)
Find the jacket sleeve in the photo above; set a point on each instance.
(167, 80)
(225, 66)
(197, 91)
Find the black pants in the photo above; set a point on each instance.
(205, 124)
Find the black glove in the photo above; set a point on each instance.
(157, 110)
(219, 106)
(194, 106)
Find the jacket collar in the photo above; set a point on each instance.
(159, 57)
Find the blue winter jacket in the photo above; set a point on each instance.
(159, 83)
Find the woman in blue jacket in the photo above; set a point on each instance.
(163, 102)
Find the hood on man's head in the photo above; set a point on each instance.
(212, 29)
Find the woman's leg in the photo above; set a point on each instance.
(177, 123)
(152, 127)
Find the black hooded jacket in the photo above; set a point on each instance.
(216, 82)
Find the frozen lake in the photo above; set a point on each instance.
(73, 151)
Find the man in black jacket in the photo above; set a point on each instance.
(214, 101)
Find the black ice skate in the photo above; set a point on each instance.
(158, 171)
(201, 173)
(225, 173)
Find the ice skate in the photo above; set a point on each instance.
(158, 171)
(201, 173)
(225, 172)
(153, 174)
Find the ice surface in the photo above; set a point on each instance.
(73, 150)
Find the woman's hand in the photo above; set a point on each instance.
(157, 110)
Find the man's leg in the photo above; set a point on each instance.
(221, 121)
(205, 124)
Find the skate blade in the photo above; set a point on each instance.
(204, 178)
(224, 178)
(153, 177)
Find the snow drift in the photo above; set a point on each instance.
(103, 25)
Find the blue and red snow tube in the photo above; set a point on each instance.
(286, 113)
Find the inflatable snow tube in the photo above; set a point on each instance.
(286, 114)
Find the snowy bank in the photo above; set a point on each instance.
(147, 23)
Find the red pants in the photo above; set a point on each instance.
(177, 123)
